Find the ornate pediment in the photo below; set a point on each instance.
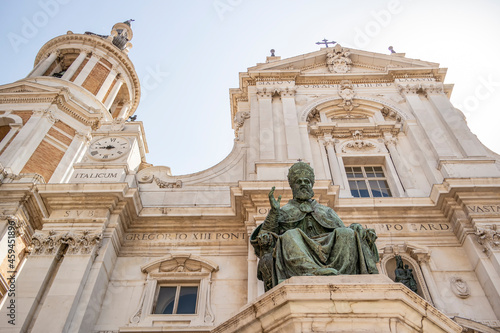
(340, 60)
(26, 87)
(180, 263)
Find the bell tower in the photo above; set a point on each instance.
(79, 82)
(80, 93)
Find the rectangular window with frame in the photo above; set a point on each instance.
(180, 299)
(367, 181)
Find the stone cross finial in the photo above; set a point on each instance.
(326, 42)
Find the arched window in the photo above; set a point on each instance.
(9, 126)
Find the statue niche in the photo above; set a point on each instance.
(405, 275)
(306, 238)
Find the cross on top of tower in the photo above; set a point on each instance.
(326, 42)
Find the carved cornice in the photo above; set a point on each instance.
(343, 133)
(63, 102)
(63, 99)
(26, 99)
(420, 88)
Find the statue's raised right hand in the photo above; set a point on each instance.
(275, 204)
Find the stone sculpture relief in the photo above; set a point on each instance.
(338, 60)
(459, 287)
(346, 92)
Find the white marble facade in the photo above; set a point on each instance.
(104, 233)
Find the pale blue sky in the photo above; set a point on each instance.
(197, 48)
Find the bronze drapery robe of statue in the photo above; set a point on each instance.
(306, 238)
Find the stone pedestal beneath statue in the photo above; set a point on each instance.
(347, 303)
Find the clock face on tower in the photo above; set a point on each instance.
(109, 148)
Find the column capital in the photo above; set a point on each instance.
(487, 235)
(423, 258)
(49, 114)
(329, 141)
(86, 137)
(10, 218)
(390, 141)
(96, 56)
(39, 112)
(54, 53)
(48, 242)
(85, 50)
(266, 93)
(420, 88)
(82, 241)
(45, 242)
(287, 92)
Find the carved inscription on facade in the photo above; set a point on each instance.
(79, 213)
(484, 209)
(98, 176)
(186, 237)
(274, 83)
(411, 227)
(354, 85)
(416, 79)
(392, 227)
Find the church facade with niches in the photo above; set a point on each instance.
(95, 239)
